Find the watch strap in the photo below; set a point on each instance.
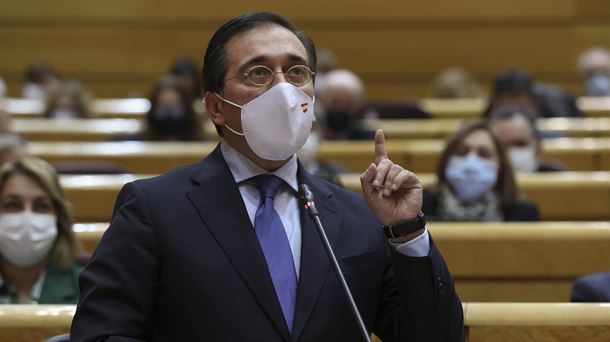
(399, 230)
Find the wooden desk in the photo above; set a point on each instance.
(559, 195)
(515, 322)
(39, 129)
(137, 157)
(473, 108)
(579, 154)
(127, 108)
(525, 262)
(443, 128)
(540, 322)
(34, 323)
(438, 108)
(75, 129)
(499, 262)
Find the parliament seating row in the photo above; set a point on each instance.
(484, 322)
(560, 196)
(109, 129)
(437, 108)
(579, 154)
(498, 262)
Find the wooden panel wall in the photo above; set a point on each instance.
(118, 48)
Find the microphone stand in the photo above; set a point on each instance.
(307, 198)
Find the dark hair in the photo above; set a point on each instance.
(185, 67)
(192, 126)
(215, 59)
(506, 187)
(505, 113)
(38, 73)
(512, 82)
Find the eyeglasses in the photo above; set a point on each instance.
(261, 75)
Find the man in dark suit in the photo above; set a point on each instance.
(193, 255)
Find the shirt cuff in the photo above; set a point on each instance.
(418, 247)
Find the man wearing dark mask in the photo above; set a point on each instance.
(223, 251)
(171, 115)
(342, 98)
(169, 121)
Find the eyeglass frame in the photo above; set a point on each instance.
(245, 75)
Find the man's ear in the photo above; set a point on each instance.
(213, 106)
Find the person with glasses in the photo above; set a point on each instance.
(222, 250)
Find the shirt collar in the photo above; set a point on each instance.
(243, 168)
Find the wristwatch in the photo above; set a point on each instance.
(394, 231)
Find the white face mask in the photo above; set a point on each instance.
(276, 124)
(33, 91)
(471, 176)
(523, 159)
(62, 113)
(26, 238)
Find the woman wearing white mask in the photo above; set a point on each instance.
(37, 245)
(475, 181)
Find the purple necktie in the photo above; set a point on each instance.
(274, 242)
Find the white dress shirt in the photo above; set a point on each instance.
(286, 202)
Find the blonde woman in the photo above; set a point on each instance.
(37, 245)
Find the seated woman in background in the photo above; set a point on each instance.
(171, 115)
(37, 245)
(475, 181)
(67, 100)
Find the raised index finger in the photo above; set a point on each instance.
(380, 150)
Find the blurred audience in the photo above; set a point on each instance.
(342, 100)
(12, 148)
(5, 118)
(594, 66)
(67, 100)
(187, 74)
(38, 79)
(171, 116)
(516, 128)
(475, 181)
(326, 61)
(454, 83)
(517, 88)
(37, 245)
(592, 288)
(3, 91)
(308, 156)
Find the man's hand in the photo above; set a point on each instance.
(393, 193)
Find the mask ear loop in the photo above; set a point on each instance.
(226, 124)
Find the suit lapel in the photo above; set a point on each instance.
(315, 264)
(219, 203)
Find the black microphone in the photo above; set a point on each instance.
(307, 198)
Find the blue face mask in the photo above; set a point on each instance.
(471, 176)
(598, 85)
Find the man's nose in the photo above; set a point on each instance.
(278, 77)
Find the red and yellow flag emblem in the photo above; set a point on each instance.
(304, 107)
